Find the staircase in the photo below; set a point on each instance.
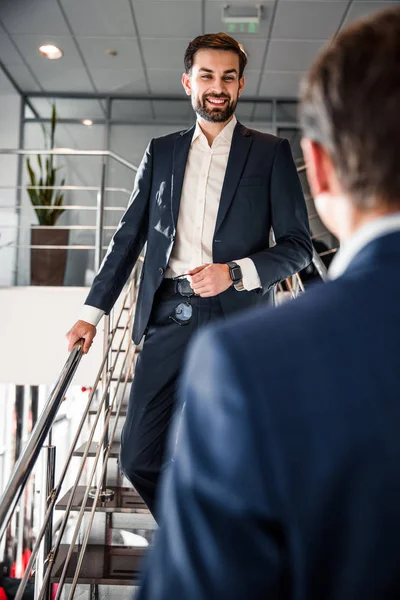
(122, 529)
(119, 527)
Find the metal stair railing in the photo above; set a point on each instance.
(100, 207)
(44, 547)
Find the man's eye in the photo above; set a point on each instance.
(206, 76)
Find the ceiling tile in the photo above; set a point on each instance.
(119, 81)
(166, 81)
(168, 18)
(99, 17)
(8, 54)
(363, 9)
(94, 50)
(6, 87)
(25, 16)
(251, 82)
(164, 53)
(213, 21)
(254, 50)
(131, 110)
(23, 78)
(29, 47)
(280, 84)
(307, 20)
(63, 80)
(286, 55)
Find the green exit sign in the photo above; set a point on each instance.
(243, 27)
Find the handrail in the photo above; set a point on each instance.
(73, 188)
(30, 454)
(71, 152)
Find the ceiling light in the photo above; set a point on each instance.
(87, 122)
(51, 52)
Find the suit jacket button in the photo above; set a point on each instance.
(161, 271)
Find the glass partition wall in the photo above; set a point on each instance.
(92, 125)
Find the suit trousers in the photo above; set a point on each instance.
(153, 392)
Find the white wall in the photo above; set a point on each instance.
(9, 135)
(33, 347)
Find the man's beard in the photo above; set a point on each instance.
(214, 114)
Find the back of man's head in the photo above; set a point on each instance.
(350, 105)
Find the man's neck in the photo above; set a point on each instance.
(211, 130)
(359, 218)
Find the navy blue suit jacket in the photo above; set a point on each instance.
(285, 483)
(261, 190)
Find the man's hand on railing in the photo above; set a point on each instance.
(81, 331)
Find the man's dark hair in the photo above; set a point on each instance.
(215, 41)
(350, 104)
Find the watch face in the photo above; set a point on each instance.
(236, 273)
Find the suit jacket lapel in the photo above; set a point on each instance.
(241, 143)
(180, 156)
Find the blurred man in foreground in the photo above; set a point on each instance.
(284, 485)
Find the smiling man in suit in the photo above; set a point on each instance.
(205, 201)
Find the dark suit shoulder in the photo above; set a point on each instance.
(268, 139)
(171, 137)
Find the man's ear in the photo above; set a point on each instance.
(186, 84)
(242, 81)
(319, 167)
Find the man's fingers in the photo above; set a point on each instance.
(197, 270)
(198, 278)
(81, 331)
(87, 343)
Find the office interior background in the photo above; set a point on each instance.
(116, 85)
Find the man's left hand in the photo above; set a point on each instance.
(210, 280)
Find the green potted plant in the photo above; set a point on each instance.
(47, 265)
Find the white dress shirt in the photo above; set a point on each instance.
(201, 193)
(366, 234)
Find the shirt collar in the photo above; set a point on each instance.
(365, 235)
(226, 134)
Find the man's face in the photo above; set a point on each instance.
(214, 84)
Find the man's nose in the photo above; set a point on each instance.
(219, 87)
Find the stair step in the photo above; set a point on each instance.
(125, 500)
(114, 453)
(106, 565)
(122, 412)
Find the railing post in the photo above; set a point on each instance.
(47, 488)
(319, 265)
(99, 229)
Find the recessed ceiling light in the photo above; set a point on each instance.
(87, 122)
(51, 52)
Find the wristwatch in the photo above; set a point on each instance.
(235, 272)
